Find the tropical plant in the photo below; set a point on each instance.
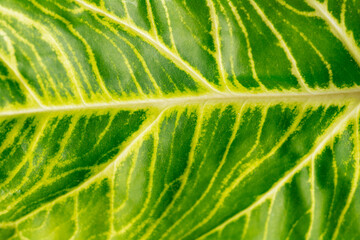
(179, 119)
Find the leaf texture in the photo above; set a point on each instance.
(169, 119)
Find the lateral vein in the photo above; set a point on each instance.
(156, 44)
(338, 29)
(335, 127)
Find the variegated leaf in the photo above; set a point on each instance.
(179, 119)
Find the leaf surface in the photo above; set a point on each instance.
(169, 119)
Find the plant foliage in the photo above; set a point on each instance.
(179, 119)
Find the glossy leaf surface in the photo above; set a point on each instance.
(169, 119)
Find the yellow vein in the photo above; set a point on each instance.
(294, 68)
(75, 58)
(215, 175)
(45, 87)
(112, 178)
(248, 45)
(339, 30)
(215, 32)
(106, 130)
(159, 46)
(51, 229)
(210, 140)
(76, 217)
(137, 53)
(153, 208)
(17, 235)
(321, 143)
(62, 175)
(184, 177)
(312, 193)
(266, 229)
(355, 179)
(134, 158)
(254, 146)
(21, 236)
(291, 8)
(102, 4)
(63, 143)
(27, 157)
(334, 166)
(123, 2)
(288, 237)
(169, 162)
(188, 13)
(172, 40)
(194, 35)
(151, 19)
(326, 63)
(48, 37)
(12, 134)
(89, 51)
(252, 166)
(343, 12)
(74, 9)
(126, 60)
(133, 140)
(192, 19)
(150, 185)
(13, 68)
(170, 80)
(321, 96)
(24, 180)
(37, 56)
(67, 65)
(246, 226)
(235, 82)
(41, 222)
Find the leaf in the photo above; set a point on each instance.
(169, 119)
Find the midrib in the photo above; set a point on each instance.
(326, 97)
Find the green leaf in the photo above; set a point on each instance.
(179, 119)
